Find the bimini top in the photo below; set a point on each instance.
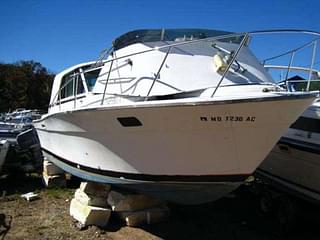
(156, 35)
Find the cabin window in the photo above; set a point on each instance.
(91, 78)
(69, 83)
(80, 87)
(67, 86)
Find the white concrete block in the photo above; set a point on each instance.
(131, 202)
(89, 215)
(50, 169)
(54, 181)
(30, 196)
(146, 216)
(89, 199)
(95, 189)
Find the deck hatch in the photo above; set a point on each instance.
(129, 121)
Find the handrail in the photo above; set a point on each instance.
(76, 91)
(312, 62)
(103, 53)
(311, 32)
(158, 73)
(290, 51)
(298, 69)
(244, 40)
(246, 35)
(283, 67)
(293, 51)
(105, 86)
(289, 66)
(304, 81)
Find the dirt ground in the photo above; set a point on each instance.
(236, 216)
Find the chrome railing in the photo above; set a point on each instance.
(290, 67)
(289, 84)
(100, 62)
(234, 56)
(159, 70)
(245, 39)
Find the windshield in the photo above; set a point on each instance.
(156, 35)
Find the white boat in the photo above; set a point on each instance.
(19, 144)
(185, 115)
(14, 123)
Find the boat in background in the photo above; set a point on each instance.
(185, 115)
(293, 165)
(19, 143)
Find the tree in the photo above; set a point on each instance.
(25, 84)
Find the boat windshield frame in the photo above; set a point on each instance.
(170, 35)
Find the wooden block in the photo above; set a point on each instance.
(131, 202)
(89, 215)
(95, 189)
(54, 181)
(50, 169)
(89, 199)
(146, 216)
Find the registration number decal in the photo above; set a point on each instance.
(227, 118)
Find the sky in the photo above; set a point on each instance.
(62, 33)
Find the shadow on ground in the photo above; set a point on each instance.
(235, 217)
(20, 183)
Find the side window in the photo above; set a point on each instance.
(69, 83)
(91, 78)
(80, 87)
(67, 86)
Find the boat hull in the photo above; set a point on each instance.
(191, 191)
(293, 170)
(168, 149)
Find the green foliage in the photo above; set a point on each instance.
(26, 84)
(302, 86)
(59, 193)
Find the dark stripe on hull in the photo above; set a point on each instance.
(301, 145)
(155, 178)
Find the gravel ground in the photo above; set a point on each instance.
(236, 216)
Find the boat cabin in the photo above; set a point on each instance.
(147, 64)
